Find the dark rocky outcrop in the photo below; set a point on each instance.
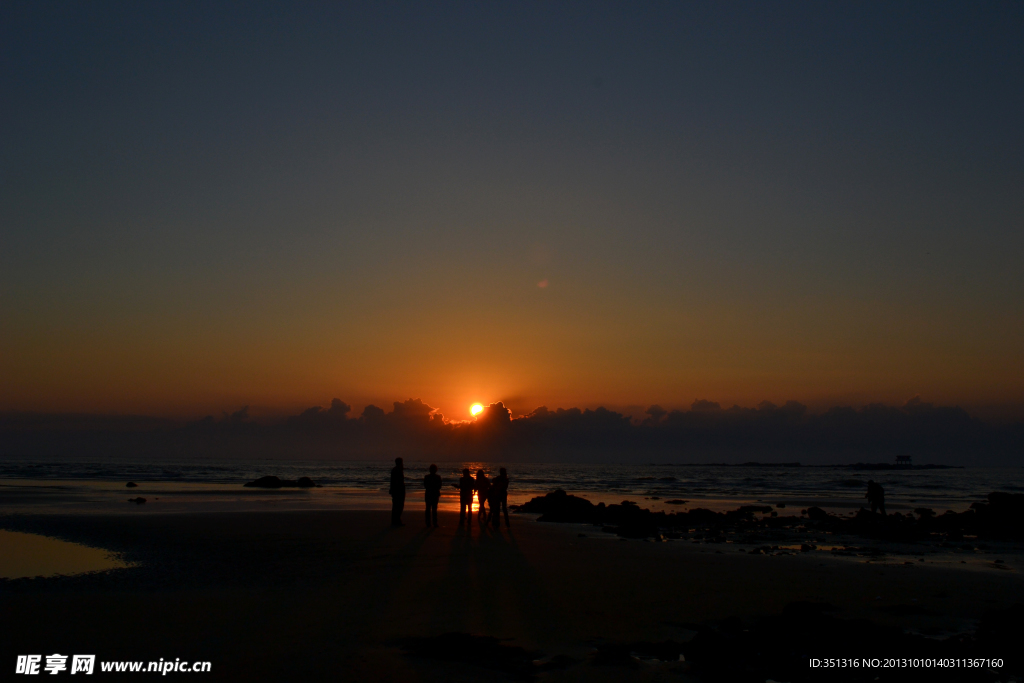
(559, 506)
(816, 514)
(138, 501)
(628, 519)
(1001, 516)
(131, 485)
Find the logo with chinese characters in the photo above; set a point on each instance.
(55, 663)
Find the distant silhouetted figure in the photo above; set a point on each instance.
(466, 487)
(397, 492)
(432, 483)
(483, 487)
(499, 498)
(876, 496)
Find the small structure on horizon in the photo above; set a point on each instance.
(904, 461)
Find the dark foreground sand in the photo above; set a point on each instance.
(330, 595)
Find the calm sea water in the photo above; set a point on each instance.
(941, 489)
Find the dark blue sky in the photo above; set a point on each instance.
(211, 204)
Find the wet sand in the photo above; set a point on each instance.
(30, 555)
(298, 595)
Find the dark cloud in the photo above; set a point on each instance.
(240, 415)
(318, 417)
(412, 409)
(339, 410)
(705, 433)
(372, 413)
(495, 414)
(702, 406)
(655, 414)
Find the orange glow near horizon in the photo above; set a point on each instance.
(555, 353)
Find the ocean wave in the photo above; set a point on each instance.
(938, 487)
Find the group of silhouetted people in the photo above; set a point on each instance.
(493, 492)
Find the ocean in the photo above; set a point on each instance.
(650, 485)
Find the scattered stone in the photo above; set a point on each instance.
(138, 501)
(1001, 516)
(265, 483)
(817, 514)
(131, 485)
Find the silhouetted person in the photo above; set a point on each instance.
(876, 496)
(499, 498)
(432, 483)
(466, 486)
(483, 487)
(397, 492)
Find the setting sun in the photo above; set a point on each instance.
(476, 408)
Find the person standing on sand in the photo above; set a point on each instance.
(397, 492)
(432, 483)
(876, 496)
(466, 486)
(492, 503)
(499, 498)
(483, 487)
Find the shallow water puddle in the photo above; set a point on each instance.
(28, 555)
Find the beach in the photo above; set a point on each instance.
(721, 303)
(310, 594)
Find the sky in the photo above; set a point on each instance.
(208, 205)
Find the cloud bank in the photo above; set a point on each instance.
(706, 433)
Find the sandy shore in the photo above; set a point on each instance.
(297, 595)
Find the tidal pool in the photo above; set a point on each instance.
(29, 555)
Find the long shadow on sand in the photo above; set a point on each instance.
(489, 587)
